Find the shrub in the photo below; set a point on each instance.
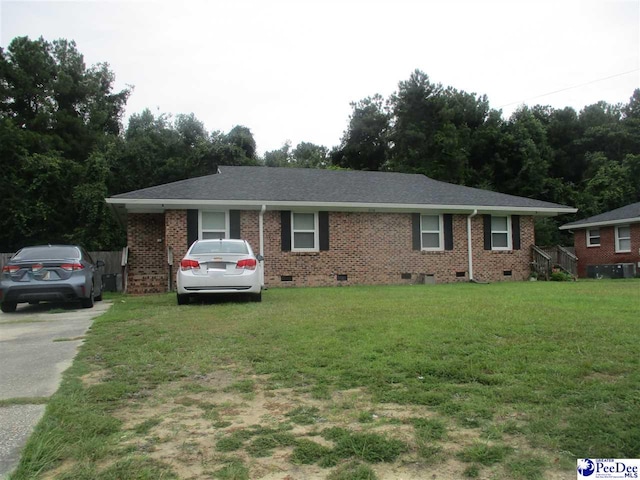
(353, 471)
(559, 276)
(307, 452)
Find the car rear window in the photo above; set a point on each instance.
(47, 253)
(219, 247)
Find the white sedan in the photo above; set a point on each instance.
(219, 267)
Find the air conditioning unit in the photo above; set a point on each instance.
(628, 270)
(617, 270)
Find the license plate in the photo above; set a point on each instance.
(216, 266)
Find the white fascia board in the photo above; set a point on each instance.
(534, 211)
(163, 204)
(578, 226)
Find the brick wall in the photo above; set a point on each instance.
(494, 266)
(147, 253)
(606, 253)
(369, 248)
(250, 229)
(175, 224)
(376, 248)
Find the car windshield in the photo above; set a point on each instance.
(201, 248)
(47, 253)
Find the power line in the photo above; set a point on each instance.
(571, 88)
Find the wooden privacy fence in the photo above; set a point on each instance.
(4, 257)
(112, 262)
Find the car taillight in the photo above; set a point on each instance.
(72, 267)
(187, 264)
(10, 269)
(247, 264)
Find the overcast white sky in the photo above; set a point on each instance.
(289, 69)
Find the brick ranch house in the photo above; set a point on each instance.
(326, 227)
(611, 238)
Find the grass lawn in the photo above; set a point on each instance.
(501, 381)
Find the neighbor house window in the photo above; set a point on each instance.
(623, 239)
(431, 232)
(304, 232)
(593, 237)
(213, 225)
(500, 233)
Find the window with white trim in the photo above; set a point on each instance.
(213, 225)
(500, 233)
(431, 232)
(623, 239)
(593, 237)
(304, 232)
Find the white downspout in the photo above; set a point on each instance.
(469, 246)
(261, 235)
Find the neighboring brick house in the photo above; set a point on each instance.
(326, 227)
(611, 238)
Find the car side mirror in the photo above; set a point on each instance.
(99, 264)
(260, 258)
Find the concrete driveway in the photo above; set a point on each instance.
(37, 344)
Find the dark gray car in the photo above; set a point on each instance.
(50, 273)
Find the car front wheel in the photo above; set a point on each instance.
(183, 299)
(8, 307)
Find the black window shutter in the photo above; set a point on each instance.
(415, 231)
(515, 231)
(447, 220)
(234, 224)
(487, 232)
(323, 224)
(285, 225)
(192, 226)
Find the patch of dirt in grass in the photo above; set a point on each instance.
(603, 377)
(59, 471)
(450, 470)
(95, 377)
(181, 425)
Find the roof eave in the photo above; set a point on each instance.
(138, 204)
(604, 223)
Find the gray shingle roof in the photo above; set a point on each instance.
(619, 215)
(268, 184)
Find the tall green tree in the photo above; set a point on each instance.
(416, 110)
(304, 155)
(524, 156)
(54, 113)
(439, 131)
(242, 138)
(282, 157)
(96, 225)
(159, 149)
(365, 144)
(310, 155)
(49, 90)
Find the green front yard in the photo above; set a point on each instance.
(504, 381)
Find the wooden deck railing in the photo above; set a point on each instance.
(563, 258)
(541, 263)
(545, 259)
(567, 261)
